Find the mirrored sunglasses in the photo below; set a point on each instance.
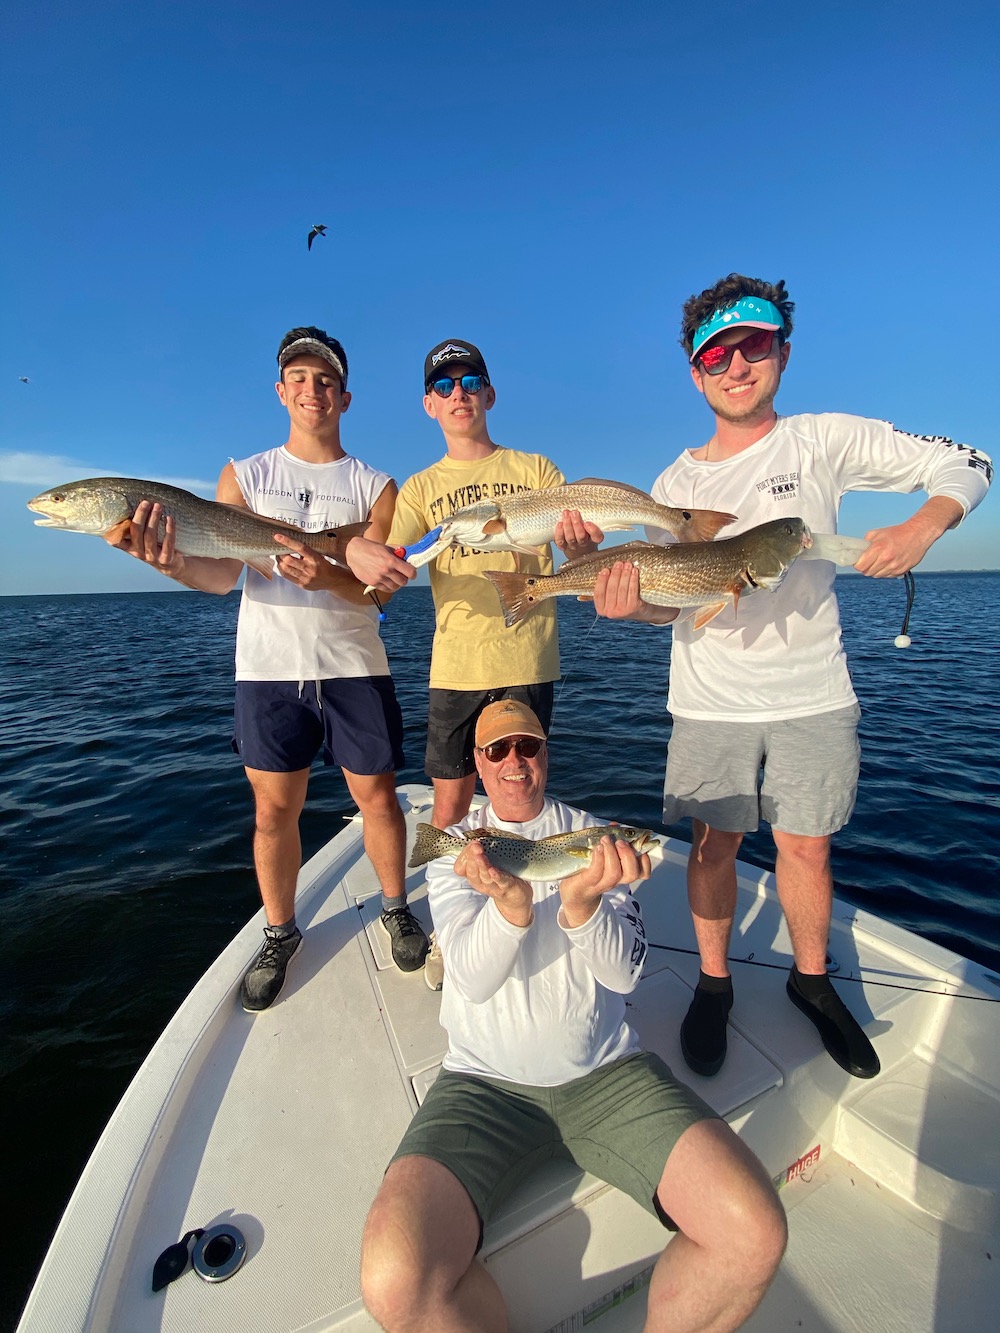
(526, 747)
(755, 346)
(445, 386)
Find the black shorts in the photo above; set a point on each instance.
(280, 726)
(451, 723)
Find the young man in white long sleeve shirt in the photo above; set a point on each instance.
(765, 718)
(542, 1062)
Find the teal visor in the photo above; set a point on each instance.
(750, 312)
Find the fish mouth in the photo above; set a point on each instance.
(454, 534)
(807, 538)
(47, 523)
(645, 842)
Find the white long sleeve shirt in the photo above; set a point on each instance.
(540, 1004)
(779, 655)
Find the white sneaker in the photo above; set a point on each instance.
(434, 965)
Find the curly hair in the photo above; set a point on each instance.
(725, 293)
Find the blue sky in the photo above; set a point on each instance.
(549, 181)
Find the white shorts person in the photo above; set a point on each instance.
(800, 776)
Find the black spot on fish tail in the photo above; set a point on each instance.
(512, 590)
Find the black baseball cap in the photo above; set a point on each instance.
(310, 341)
(453, 351)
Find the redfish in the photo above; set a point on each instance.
(706, 575)
(104, 507)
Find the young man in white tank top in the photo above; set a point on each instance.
(311, 670)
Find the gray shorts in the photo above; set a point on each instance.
(800, 776)
(619, 1122)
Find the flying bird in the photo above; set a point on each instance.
(318, 230)
(24, 379)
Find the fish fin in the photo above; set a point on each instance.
(280, 524)
(579, 853)
(703, 614)
(520, 546)
(512, 590)
(618, 485)
(625, 552)
(431, 843)
(117, 533)
(702, 525)
(493, 526)
(496, 833)
(262, 566)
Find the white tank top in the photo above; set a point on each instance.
(285, 632)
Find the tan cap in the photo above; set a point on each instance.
(506, 717)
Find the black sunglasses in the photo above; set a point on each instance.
(445, 386)
(526, 747)
(755, 346)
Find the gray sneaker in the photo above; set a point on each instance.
(434, 965)
(407, 940)
(263, 982)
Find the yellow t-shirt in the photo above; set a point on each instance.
(473, 648)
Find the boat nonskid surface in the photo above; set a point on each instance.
(282, 1125)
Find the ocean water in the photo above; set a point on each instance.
(125, 819)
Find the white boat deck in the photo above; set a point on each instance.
(283, 1123)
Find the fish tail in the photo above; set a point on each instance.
(703, 525)
(431, 843)
(515, 593)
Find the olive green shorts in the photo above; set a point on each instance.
(620, 1122)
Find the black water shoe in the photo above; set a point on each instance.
(703, 1032)
(407, 940)
(263, 982)
(840, 1032)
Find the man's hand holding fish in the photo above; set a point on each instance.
(576, 536)
(614, 862)
(512, 895)
(141, 538)
(618, 595)
(308, 569)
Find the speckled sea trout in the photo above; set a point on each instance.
(104, 507)
(708, 576)
(547, 859)
(528, 519)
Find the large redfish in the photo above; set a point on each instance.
(707, 575)
(104, 507)
(527, 519)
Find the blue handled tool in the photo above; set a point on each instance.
(422, 547)
(418, 548)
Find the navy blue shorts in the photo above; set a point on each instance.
(280, 726)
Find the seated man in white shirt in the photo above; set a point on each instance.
(541, 1062)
